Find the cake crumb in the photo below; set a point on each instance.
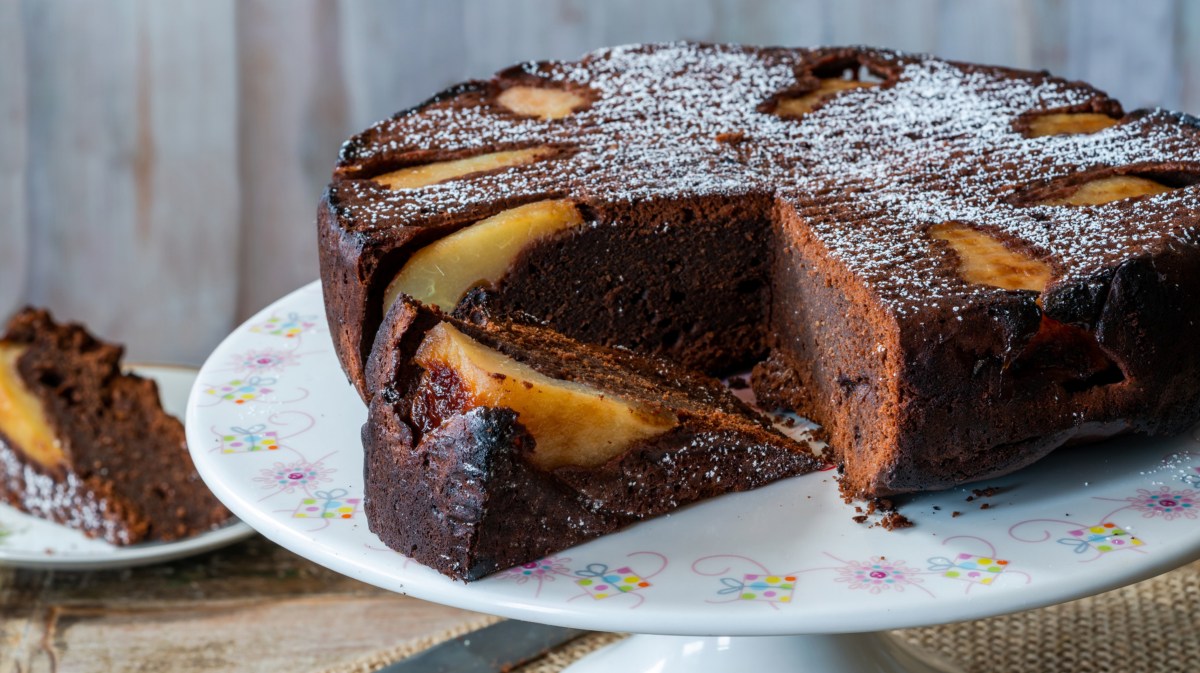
(889, 518)
(955, 515)
(985, 506)
(895, 521)
(731, 137)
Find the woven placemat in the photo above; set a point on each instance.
(1151, 627)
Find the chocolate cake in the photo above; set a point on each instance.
(492, 443)
(85, 445)
(954, 268)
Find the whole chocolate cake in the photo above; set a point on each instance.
(954, 268)
(87, 446)
(491, 443)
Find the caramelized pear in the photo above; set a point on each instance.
(22, 420)
(540, 102)
(1107, 190)
(1065, 123)
(571, 423)
(443, 272)
(802, 105)
(441, 171)
(985, 260)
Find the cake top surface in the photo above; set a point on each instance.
(870, 170)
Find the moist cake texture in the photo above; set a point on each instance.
(87, 446)
(461, 468)
(818, 212)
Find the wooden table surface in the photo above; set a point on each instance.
(252, 606)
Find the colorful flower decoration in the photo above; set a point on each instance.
(265, 360)
(327, 505)
(541, 570)
(599, 582)
(1104, 538)
(1167, 502)
(290, 326)
(301, 474)
(969, 568)
(756, 587)
(241, 391)
(249, 440)
(877, 575)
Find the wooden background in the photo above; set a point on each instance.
(160, 161)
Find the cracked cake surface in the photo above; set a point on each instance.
(803, 239)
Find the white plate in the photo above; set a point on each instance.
(30, 542)
(274, 430)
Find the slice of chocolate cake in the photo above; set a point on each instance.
(89, 447)
(491, 443)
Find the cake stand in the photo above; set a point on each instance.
(274, 430)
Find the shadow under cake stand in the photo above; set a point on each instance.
(723, 585)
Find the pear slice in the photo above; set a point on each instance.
(443, 272)
(1107, 190)
(985, 260)
(23, 421)
(802, 105)
(441, 171)
(540, 102)
(571, 423)
(1064, 123)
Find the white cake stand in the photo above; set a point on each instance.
(274, 430)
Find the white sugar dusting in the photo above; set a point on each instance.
(869, 170)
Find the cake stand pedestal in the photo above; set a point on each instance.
(845, 653)
(723, 585)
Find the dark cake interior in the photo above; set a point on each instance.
(85, 445)
(490, 443)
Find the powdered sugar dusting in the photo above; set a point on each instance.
(868, 171)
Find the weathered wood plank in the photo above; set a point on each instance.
(984, 31)
(1127, 49)
(291, 120)
(396, 54)
(775, 22)
(14, 118)
(249, 607)
(496, 35)
(628, 21)
(132, 182)
(911, 26)
(301, 634)
(1188, 57)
